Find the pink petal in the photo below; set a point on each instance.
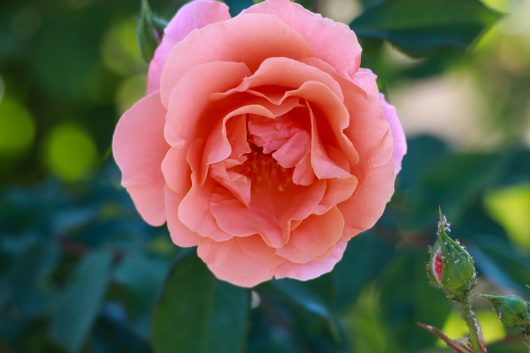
(398, 135)
(314, 269)
(229, 262)
(218, 147)
(139, 147)
(323, 165)
(195, 14)
(186, 117)
(337, 191)
(314, 237)
(331, 41)
(248, 39)
(289, 73)
(376, 186)
(194, 212)
(180, 234)
(240, 220)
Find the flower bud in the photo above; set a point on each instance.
(451, 268)
(513, 311)
(149, 31)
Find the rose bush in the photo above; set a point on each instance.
(261, 140)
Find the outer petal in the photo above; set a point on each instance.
(229, 262)
(314, 269)
(246, 39)
(195, 14)
(139, 147)
(398, 135)
(331, 41)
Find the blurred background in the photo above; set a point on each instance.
(81, 272)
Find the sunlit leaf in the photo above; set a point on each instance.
(421, 27)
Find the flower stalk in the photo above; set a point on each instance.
(473, 325)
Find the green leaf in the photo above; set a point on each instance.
(406, 298)
(313, 297)
(141, 277)
(199, 314)
(421, 28)
(367, 252)
(81, 301)
(501, 263)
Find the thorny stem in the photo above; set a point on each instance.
(475, 330)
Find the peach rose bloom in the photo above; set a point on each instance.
(261, 140)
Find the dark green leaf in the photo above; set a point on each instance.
(81, 301)
(365, 259)
(142, 278)
(421, 27)
(407, 298)
(199, 314)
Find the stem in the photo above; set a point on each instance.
(475, 331)
(456, 347)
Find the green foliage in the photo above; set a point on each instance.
(81, 301)
(422, 28)
(199, 314)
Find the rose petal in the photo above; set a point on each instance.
(237, 219)
(370, 132)
(185, 119)
(314, 269)
(337, 191)
(230, 263)
(288, 73)
(218, 147)
(314, 237)
(376, 186)
(332, 41)
(139, 147)
(248, 39)
(398, 135)
(195, 14)
(180, 234)
(194, 212)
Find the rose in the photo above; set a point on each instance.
(261, 140)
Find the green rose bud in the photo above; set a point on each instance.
(149, 31)
(451, 268)
(513, 311)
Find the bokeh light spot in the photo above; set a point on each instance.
(17, 129)
(70, 153)
(509, 206)
(120, 50)
(130, 91)
(492, 328)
